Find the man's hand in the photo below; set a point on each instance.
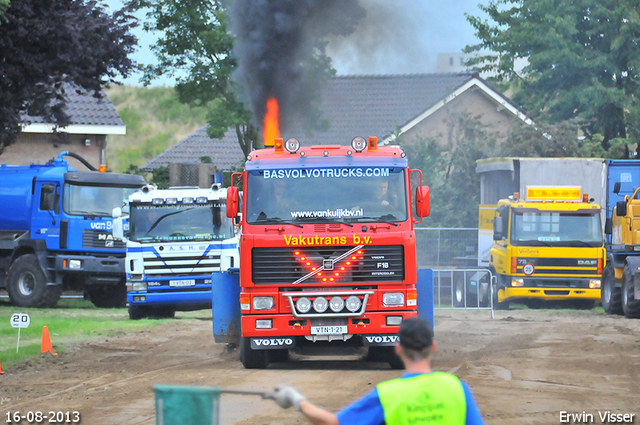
(285, 397)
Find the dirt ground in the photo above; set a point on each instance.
(524, 367)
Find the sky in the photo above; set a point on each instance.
(396, 37)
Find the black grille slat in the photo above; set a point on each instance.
(98, 239)
(377, 263)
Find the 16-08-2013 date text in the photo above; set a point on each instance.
(40, 417)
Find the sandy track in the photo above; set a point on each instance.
(524, 367)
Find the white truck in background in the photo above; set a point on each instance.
(177, 238)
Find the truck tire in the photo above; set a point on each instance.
(610, 295)
(252, 359)
(630, 306)
(499, 305)
(108, 296)
(28, 284)
(459, 292)
(137, 312)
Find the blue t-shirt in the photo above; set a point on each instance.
(368, 410)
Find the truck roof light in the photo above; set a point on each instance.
(292, 145)
(585, 197)
(302, 153)
(373, 144)
(157, 201)
(403, 154)
(326, 153)
(102, 168)
(358, 144)
(349, 153)
(187, 200)
(172, 201)
(201, 200)
(278, 145)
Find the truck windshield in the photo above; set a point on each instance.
(346, 194)
(173, 223)
(566, 228)
(95, 200)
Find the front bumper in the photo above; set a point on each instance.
(371, 323)
(192, 298)
(554, 293)
(99, 270)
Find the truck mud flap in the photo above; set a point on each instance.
(272, 343)
(380, 340)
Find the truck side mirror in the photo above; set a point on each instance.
(616, 187)
(608, 226)
(233, 200)
(117, 228)
(497, 228)
(621, 208)
(423, 201)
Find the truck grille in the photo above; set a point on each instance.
(182, 265)
(372, 263)
(587, 267)
(101, 240)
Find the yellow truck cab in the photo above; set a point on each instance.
(548, 246)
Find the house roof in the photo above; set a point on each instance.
(359, 105)
(225, 153)
(88, 115)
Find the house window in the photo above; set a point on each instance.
(450, 61)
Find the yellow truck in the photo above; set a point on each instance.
(547, 246)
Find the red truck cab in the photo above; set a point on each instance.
(327, 250)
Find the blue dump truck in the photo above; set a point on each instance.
(179, 238)
(56, 232)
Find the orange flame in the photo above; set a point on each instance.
(271, 128)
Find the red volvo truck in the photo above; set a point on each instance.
(327, 250)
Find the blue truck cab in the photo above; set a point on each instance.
(56, 233)
(178, 238)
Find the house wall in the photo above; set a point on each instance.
(477, 104)
(39, 148)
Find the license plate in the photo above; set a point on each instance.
(328, 330)
(186, 282)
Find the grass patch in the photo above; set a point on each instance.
(72, 321)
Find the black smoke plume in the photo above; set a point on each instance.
(280, 49)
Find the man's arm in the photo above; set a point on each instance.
(318, 415)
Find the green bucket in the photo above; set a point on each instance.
(187, 405)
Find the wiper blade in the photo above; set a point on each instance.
(326, 219)
(385, 219)
(264, 219)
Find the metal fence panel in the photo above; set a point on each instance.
(446, 247)
(463, 288)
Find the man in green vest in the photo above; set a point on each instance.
(421, 396)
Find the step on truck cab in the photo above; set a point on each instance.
(56, 232)
(327, 251)
(547, 246)
(178, 237)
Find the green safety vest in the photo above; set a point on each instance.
(434, 398)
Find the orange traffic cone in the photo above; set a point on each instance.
(46, 342)
(1, 372)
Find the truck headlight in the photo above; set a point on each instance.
(139, 286)
(353, 303)
(303, 305)
(75, 264)
(336, 304)
(264, 324)
(393, 299)
(594, 284)
(394, 320)
(262, 303)
(320, 304)
(517, 281)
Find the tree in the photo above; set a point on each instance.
(199, 47)
(583, 60)
(49, 45)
